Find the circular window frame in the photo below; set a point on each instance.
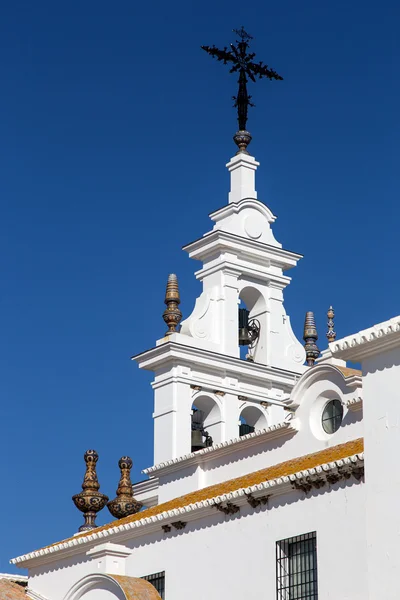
(336, 424)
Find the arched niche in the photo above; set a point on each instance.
(211, 415)
(252, 298)
(254, 418)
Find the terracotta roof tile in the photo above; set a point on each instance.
(135, 588)
(347, 372)
(280, 470)
(11, 591)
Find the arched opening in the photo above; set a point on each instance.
(206, 423)
(251, 419)
(251, 311)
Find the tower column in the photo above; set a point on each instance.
(242, 168)
(172, 419)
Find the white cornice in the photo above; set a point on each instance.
(189, 512)
(251, 439)
(147, 491)
(201, 248)
(163, 354)
(242, 268)
(13, 577)
(379, 338)
(235, 207)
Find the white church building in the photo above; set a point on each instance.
(272, 478)
(258, 487)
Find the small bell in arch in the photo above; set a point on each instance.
(249, 329)
(198, 432)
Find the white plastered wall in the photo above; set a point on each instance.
(232, 556)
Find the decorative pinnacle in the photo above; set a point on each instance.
(124, 504)
(242, 63)
(172, 315)
(90, 501)
(331, 333)
(310, 337)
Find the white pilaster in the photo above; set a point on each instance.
(242, 168)
(109, 557)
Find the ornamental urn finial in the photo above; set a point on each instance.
(90, 501)
(310, 337)
(331, 333)
(172, 315)
(124, 504)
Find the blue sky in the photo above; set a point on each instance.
(114, 133)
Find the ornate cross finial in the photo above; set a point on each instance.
(331, 333)
(124, 504)
(242, 62)
(172, 315)
(310, 337)
(90, 501)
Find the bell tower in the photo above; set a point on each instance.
(204, 392)
(201, 384)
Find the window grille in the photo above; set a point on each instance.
(296, 568)
(158, 580)
(332, 416)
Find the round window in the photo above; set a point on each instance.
(332, 416)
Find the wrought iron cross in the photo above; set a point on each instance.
(243, 63)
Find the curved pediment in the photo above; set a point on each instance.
(248, 218)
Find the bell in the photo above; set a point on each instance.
(244, 336)
(197, 440)
(197, 430)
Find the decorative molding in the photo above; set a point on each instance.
(179, 525)
(257, 437)
(254, 502)
(109, 549)
(376, 339)
(355, 403)
(352, 463)
(179, 349)
(257, 251)
(228, 509)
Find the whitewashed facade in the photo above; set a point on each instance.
(285, 511)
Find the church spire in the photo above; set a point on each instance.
(310, 337)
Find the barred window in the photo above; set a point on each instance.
(158, 580)
(296, 568)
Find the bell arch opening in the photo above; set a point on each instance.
(251, 419)
(252, 309)
(206, 423)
